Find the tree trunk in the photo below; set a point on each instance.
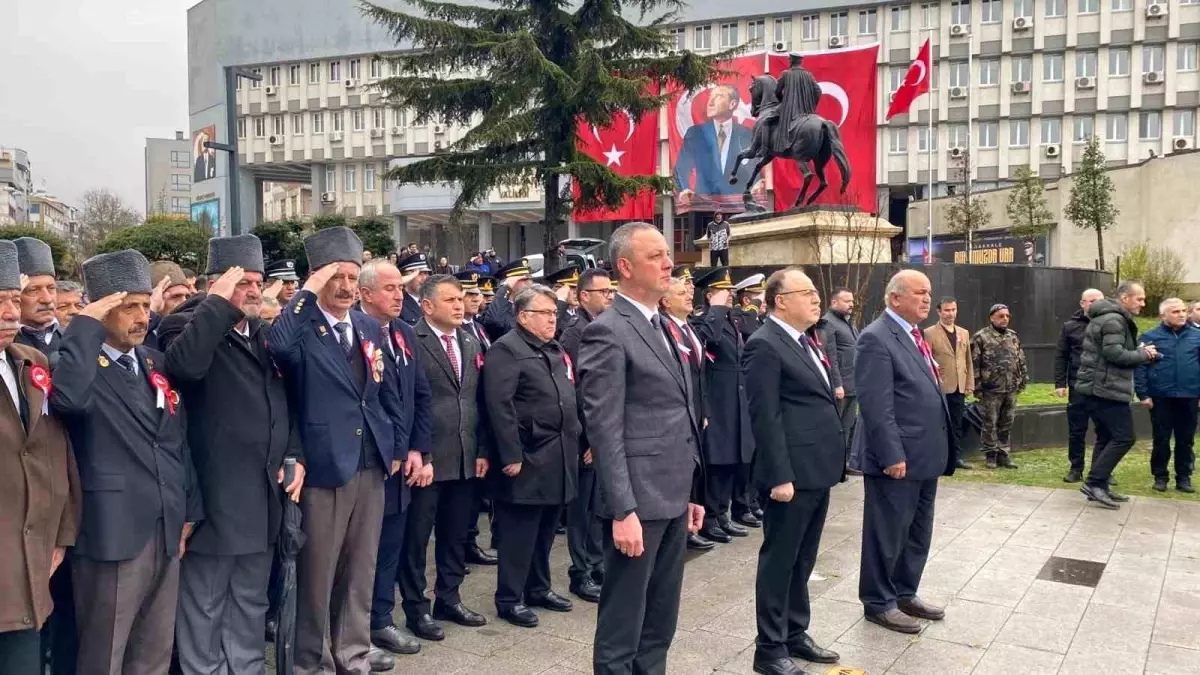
(1100, 245)
(550, 221)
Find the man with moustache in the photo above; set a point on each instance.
(68, 303)
(284, 271)
(799, 456)
(903, 444)
(39, 326)
(39, 485)
(499, 317)
(216, 353)
(381, 289)
(643, 433)
(351, 427)
(415, 267)
(1000, 375)
(141, 499)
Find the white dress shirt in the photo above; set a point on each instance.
(693, 345)
(651, 315)
(453, 345)
(334, 321)
(908, 327)
(9, 375)
(812, 353)
(114, 354)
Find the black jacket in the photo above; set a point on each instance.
(1110, 353)
(530, 393)
(571, 337)
(727, 438)
(499, 317)
(239, 430)
(1066, 352)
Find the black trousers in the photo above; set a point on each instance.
(719, 483)
(639, 603)
(718, 258)
(745, 497)
(58, 635)
(387, 568)
(21, 652)
(585, 531)
(445, 507)
(1077, 426)
(1114, 437)
(1173, 417)
(897, 530)
(524, 569)
(956, 403)
(791, 536)
(848, 412)
(483, 504)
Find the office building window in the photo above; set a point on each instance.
(394, 67)
(1118, 61)
(314, 73)
(297, 123)
(867, 22)
(930, 15)
(896, 76)
(260, 127)
(729, 35)
(991, 11)
(399, 117)
(702, 38)
(935, 77)
(1089, 6)
(331, 179)
(898, 141)
(960, 12)
(369, 178)
(1052, 67)
(989, 72)
(241, 127)
(783, 32)
(181, 204)
(1153, 58)
(987, 134)
(255, 84)
(1022, 69)
(378, 118)
(376, 67)
(810, 27)
(293, 75)
(277, 125)
(1018, 133)
(1023, 8)
(181, 159)
(357, 119)
(756, 32)
(899, 22)
(1085, 64)
(1189, 2)
(1051, 130)
(1122, 5)
(957, 136)
(335, 71)
(337, 120)
(1055, 8)
(355, 69)
(1084, 129)
(181, 181)
(1149, 125)
(1116, 127)
(1185, 122)
(1185, 56)
(318, 123)
(924, 138)
(274, 76)
(960, 76)
(677, 35)
(348, 179)
(839, 24)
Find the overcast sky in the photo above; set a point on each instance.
(86, 82)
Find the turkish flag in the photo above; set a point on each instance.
(916, 82)
(847, 78)
(627, 149)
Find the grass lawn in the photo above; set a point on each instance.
(1039, 393)
(1046, 468)
(1145, 323)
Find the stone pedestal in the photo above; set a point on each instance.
(806, 236)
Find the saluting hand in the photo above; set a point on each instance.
(226, 285)
(317, 280)
(24, 281)
(156, 296)
(272, 289)
(99, 309)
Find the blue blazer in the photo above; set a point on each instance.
(902, 415)
(701, 153)
(333, 414)
(403, 357)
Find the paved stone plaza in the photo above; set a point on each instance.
(1004, 614)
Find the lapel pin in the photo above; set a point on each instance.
(321, 330)
(103, 361)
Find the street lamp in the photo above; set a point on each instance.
(231, 75)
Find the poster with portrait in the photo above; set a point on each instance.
(208, 214)
(986, 249)
(205, 159)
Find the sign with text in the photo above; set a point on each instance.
(986, 249)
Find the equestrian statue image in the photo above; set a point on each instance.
(787, 126)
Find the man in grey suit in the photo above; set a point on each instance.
(643, 431)
(903, 444)
(839, 337)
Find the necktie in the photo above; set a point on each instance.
(678, 339)
(449, 342)
(695, 341)
(126, 362)
(721, 136)
(923, 347)
(343, 336)
(36, 334)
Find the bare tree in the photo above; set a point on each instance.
(103, 213)
(848, 246)
(967, 214)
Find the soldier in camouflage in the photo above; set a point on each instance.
(1000, 374)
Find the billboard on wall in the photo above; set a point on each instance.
(986, 249)
(208, 214)
(204, 162)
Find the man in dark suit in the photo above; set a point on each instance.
(216, 352)
(381, 289)
(453, 361)
(903, 444)
(472, 303)
(352, 426)
(39, 326)
(415, 268)
(710, 149)
(498, 317)
(141, 499)
(798, 458)
(838, 335)
(643, 433)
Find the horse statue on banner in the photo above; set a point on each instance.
(810, 139)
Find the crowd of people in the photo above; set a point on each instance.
(163, 431)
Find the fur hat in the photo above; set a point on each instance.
(121, 271)
(243, 250)
(34, 257)
(334, 244)
(10, 269)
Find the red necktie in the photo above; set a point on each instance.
(923, 347)
(449, 341)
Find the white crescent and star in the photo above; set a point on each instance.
(835, 90)
(916, 65)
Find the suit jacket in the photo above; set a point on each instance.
(239, 429)
(460, 433)
(701, 154)
(838, 338)
(39, 496)
(410, 311)
(476, 331)
(958, 372)
(333, 413)
(697, 365)
(727, 438)
(570, 340)
(639, 418)
(404, 357)
(135, 476)
(797, 429)
(902, 415)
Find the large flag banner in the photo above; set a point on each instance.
(706, 129)
(916, 82)
(848, 82)
(627, 149)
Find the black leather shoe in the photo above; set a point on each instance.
(716, 534)
(586, 589)
(1073, 476)
(916, 607)
(426, 628)
(894, 619)
(518, 615)
(551, 601)
(380, 661)
(560, 530)
(478, 556)
(1100, 496)
(459, 614)
(783, 666)
(1117, 496)
(697, 543)
(1184, 485)
(394, 641)
(853, 472)
(749, 520)
(731, 528)
(1160, 484)
(808, 650)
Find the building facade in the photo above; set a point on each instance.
(169, 175)
(16, 185)
(54, 215)
(287, 201)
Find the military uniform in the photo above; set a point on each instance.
(569, 277)
(748, 317)
(411, 312)
(1000, 374)
(499, 317)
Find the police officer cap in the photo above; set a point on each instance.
(10, 269)
(413, 262)
(469, 280)
(716, 279)
(34, 257)
(567, 276)
(331, 245)
(284, 270)
(120, 271)
(682, 272)
(752, 284)
(243, 250)
(487, 285)
(516, 268)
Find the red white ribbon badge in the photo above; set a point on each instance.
(402, 345)
(41, 379)
(479, 361)
(570, 366)
(166, 397)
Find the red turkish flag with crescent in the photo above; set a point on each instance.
(916, 82)
(848, 82)
(627, 149)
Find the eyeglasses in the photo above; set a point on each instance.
(544, 313)
(602, 291)
(806, 292)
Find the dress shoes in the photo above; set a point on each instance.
(560, 530)
(715, 533)
(379, 660)
(1073, 476)
(551, 601)
(518, 615)
(478, 556)
(731, 528)
(459, 614)
(1160, 484)
(894, 619)
(1100, 496)
(806, 648)
(916, 607)
(784, 666)
(426, 628)
(269, 631)
(697, 543)
(853, 472)
(394, 641)
(586, 589)
(758, 512)
(749, 520)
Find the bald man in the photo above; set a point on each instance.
(1066, 366)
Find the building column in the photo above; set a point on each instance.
(317, 181)
(572, 229)
(514, 242)
(400, 230)
(666, 206)
(484, 223)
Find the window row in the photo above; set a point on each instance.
(330, 71)
(1116, 129)
(349, 177)
(359, 118)
(181, 159)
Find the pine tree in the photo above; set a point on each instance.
(1028, 215)
(966, 213)
(1090, 206)
(521, 74)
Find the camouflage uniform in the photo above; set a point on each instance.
(1000, 374)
